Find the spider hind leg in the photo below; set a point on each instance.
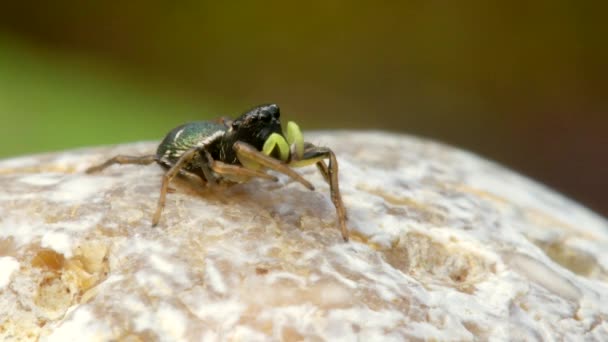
(122, 159)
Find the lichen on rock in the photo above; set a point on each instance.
(444, 246)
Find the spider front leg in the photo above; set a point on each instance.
(254, 159)
(316, 155)
(296, 153)
(239, 173)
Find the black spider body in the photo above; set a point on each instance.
(217, 138)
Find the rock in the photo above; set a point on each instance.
(444, 246)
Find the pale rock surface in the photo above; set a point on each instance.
(444, 246)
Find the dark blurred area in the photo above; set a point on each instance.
(522, 83)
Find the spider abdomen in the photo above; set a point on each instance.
(205, 134)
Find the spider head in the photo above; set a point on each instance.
(256, 125)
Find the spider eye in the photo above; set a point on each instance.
(273, 109)
(265, 116)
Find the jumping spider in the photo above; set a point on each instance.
(236, 151)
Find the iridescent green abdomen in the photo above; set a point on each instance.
(184, 137)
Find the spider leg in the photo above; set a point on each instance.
(322, 167)
(315, 154)
(200, 158)
(239, 173)
(141, 160)
(252, 159)
(192, 155)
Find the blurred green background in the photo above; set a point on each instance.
(523, 83)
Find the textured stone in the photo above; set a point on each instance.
(444, 245)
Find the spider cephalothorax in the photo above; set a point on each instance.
(253, 127)
(238, 150)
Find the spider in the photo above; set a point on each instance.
(235, 151)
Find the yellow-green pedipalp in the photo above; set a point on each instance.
(276, 140)
(294, 138)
